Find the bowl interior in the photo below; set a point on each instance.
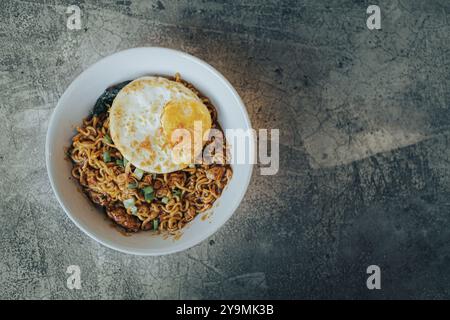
(77, 102)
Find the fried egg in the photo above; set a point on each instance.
(144, 117)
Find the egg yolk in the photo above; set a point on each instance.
(192, 116)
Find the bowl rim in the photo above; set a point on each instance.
(225, 83)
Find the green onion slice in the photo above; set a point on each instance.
(107, 139)
(132, 185)
(165, 200)
(155, 224)
(119, 162)
(148, 193)
(148, 189)
(128, 203)
(138, 173)
(133, 210)
(149, 196)
(106, 156)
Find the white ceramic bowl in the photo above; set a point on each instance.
(78, 100)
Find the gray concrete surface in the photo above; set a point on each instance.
(365, 160)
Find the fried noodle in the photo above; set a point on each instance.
(178, 196)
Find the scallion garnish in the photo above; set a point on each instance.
(132, 185)
(149, 196)
(107, 139)
(138, 173)
(155, 224)
(119, 162)
(165, 200)
(148, 189)
(148, 193)
(133, 210)
(128, 203)
(106, 156)
(176, 192)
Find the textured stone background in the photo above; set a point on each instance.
(365, 160)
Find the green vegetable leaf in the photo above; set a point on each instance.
(105, 101)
